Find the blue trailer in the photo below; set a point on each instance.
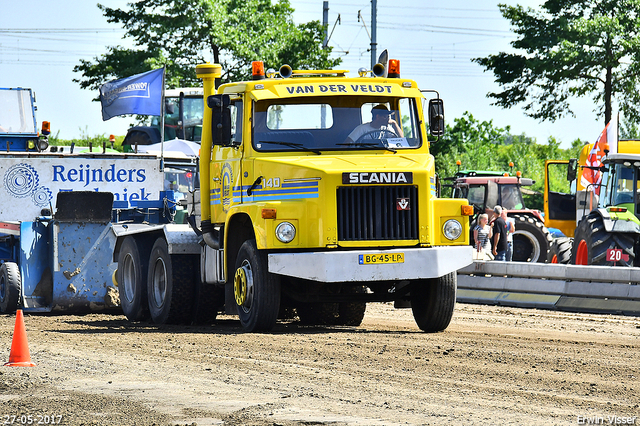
(58, 236)
(66, 262)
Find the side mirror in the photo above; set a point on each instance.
(436, 117)
(572, 169)
(220, 119)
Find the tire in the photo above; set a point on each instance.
(433, 301)
(592, 240)
(531, 240)
(131, 276)
(209, 299)
(352, 313)
(10, 285)
(560, 251)
(324, 313)
(170, 285)
(256, 291)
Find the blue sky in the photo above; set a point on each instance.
(42, 40)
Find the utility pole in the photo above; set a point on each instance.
(325, 23)
(374, 24)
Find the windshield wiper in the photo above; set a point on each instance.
(369, 145)
(293, 145)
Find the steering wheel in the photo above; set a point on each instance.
(377, 134)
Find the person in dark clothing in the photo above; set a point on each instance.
(499, 243)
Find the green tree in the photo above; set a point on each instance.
(568, 49)
(181, 34)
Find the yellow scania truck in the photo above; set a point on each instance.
(317, 195)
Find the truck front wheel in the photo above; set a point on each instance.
(256, 291)
(10, 283)
(132, 281)
(433, 301)
(170, 285)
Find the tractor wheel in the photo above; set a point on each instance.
(560, 250)
(131, 276)
(256, 291)
(10, 284)
(433, 301)
(592, 240)
(170, 285)
(531, 240)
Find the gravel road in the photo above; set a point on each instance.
(492, 365)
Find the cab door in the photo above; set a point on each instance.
(226, 168)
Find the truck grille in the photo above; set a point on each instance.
(372, 213)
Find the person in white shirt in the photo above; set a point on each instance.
(380, 126)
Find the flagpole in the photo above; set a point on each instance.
(162, 123)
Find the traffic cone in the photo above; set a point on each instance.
(19, 356)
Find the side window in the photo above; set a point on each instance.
(236, 121)
(476, 195)
(407, 118)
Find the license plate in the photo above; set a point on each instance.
(371, 259)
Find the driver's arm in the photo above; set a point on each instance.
(396, 128)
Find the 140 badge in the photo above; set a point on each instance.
(380, 258)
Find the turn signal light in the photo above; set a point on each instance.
(268, 213)
(519, 173)
(467, 210)
(618, 209)
(394, 68)
(257, 70)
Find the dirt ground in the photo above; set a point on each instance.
(492, 365)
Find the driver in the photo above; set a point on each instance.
(380, 121)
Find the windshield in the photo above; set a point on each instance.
(511, 197)
(336, 123)
(193, 113)
(180, 179)
(623, 188)
(16, 111)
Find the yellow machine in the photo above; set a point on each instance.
(312, 217)
(317, 193)
(600, 220)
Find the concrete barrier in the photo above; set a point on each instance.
(593, 289)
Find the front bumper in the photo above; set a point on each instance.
(344, 266)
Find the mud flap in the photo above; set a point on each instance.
(84, 206)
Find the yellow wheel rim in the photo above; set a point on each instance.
(240, 286)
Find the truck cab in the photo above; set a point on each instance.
(298, 212)
(18, 127)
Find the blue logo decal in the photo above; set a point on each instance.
(22, 181)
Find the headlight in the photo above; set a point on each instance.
(285, 232)
(452, 229)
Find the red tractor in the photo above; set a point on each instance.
(486, 189)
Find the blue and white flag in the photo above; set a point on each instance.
(139, 94)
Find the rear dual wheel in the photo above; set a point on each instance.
(131, 276)
(170, 289)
